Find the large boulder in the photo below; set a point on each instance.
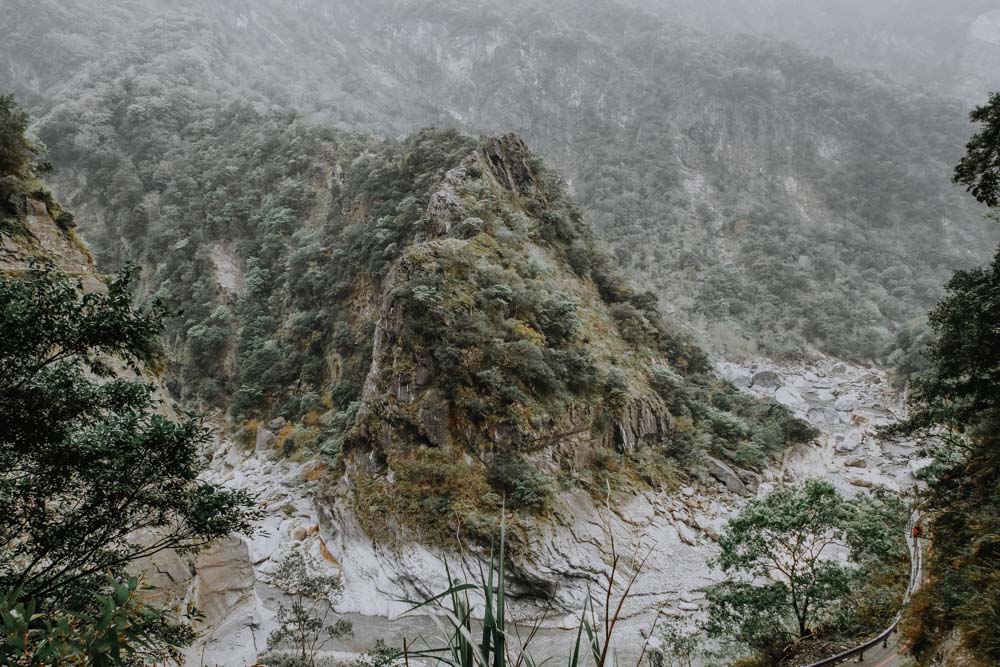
(265, 440)
(725, 474)
(851, 442)
(686, 534)
(788, 396)
(846, 403)
(823, 415)
(767, 379)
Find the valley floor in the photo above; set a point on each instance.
(228, 583)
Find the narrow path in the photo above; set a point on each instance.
(882, 657)
(889, 656)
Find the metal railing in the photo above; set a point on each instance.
(916, 569)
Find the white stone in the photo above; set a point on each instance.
(916, 465)
(686, 534)
(846, 403)
(788, 396)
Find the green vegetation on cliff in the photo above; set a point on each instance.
(93, 480)
(432, 313)
(94, 477)
(775, 200)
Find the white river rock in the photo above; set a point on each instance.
(570, 556)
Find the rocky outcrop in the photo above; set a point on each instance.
(643, 421)
(725, 474)
(507, 157)
(30, 233)
(846, 403)
(403, 403)
(766, 378)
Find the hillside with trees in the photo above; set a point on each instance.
(97, 473)
(772, 199)
(954, 410)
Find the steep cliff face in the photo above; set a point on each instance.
(429, 302)
(29, 232)
(489, 347)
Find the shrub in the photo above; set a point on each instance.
(616, 395)
(523, 485)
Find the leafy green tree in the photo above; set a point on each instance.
(119, 629)
(93, 479)
(304, 622)
(979, 170)
(781, 555)
(16, 150)
(955, 412)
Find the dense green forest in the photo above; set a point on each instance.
(769, 197)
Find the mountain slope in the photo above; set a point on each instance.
(398, 306)
(953, 47)
(771, 198)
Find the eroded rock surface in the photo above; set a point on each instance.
(568, 559)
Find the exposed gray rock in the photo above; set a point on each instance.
(424, 372)
(768, 379)
(846, 403)
(433, 417)
(265, 439)
(916, 465)
(687, 535)
(725, 474)
(850, 442)
(788, 396)
(708, 526)
(752, 479)
(643, 421)
(823, 415)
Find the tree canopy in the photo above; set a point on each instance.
(979, 170)
(94, 476)
(785, 557)
(955, 411)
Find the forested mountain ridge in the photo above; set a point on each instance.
(396, 304)
(767, 195)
